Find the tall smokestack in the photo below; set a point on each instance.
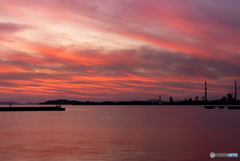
(235, 90)
(160, 98)
(205, 91)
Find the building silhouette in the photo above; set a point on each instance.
(229, 96)
(196, 98)
(170, 99)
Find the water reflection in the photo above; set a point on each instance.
(118, 133)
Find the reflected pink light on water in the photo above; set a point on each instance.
(118, 133)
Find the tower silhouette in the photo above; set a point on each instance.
(205, 91)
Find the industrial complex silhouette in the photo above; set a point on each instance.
(225, 100)
(229, 100)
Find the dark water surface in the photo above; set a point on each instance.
(120, 133)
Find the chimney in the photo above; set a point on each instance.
(235, 90)
(205, 91)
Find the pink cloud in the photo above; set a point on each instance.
(183, 43)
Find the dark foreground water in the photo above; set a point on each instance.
(120, 133)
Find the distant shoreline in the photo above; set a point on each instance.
(67, 102)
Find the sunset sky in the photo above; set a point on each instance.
(99, 50)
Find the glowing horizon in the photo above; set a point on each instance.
(118, 50)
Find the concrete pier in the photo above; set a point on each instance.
(209, 107)
(233, 107)
(42, 108)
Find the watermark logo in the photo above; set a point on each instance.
(212, 154)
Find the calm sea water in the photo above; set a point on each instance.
(120, 133)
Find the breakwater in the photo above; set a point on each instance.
(42, 108)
